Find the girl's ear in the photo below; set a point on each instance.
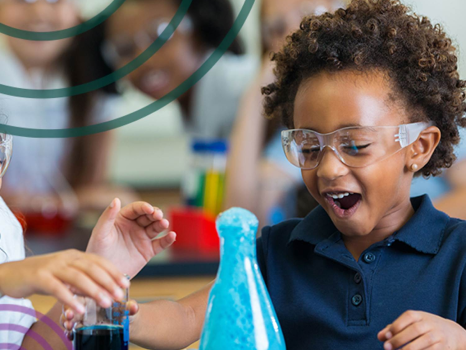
(423, 147)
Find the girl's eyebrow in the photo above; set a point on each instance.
(341, 126)
(348, 125)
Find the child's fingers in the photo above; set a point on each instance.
(382, 335)
(136, 209)
(67, 325)
(156, 215)
(161, 225)
(146, 220)
(162, 243)
(96, 273)
(409, 334)
(120, 279)
(69, 335)
(66, 313)
(65, 322)
(157, 227)
(133, 307)
(85, 285)
(107, 219)
(66, 316)
(58, 290)
(406, 319)
(425, 341)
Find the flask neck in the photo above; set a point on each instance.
(234, 252)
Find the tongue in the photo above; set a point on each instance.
(348, 201)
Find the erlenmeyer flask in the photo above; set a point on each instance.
(240, 314)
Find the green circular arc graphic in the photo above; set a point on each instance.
(110, 78)
(149, 109)
(65, 33)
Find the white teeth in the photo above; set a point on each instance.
(339, 196)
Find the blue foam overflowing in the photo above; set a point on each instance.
(240, 315)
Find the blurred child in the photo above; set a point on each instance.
(209, 107)
(259, 177)
(64, 167)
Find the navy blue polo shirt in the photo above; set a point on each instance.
(325, 299)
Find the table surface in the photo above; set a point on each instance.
(144, 290)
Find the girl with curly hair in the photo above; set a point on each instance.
(371, 97)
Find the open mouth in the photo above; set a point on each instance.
(344, 204)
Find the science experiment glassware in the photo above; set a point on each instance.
(240, 315)
(102, 328)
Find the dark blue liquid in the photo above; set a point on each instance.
(102, 337)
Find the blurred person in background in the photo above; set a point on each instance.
(69, 172)
(210, 106)
(258, 173)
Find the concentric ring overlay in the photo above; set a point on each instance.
(149, 109)
(110, 78)
(65, 33)
(23, 330)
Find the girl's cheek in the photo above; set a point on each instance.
(310, 180)
(11, 16)
(67, 18)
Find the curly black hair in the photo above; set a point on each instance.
(378, 35)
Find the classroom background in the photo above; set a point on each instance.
(183, 158)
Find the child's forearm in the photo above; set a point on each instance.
(46, 332)
(165, 324)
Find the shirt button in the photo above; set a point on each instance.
(357, 278)
(356, 299)
(369, 257)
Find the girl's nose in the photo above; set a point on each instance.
(330, 166)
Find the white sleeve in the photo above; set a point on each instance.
(15, 321)
(15, 314)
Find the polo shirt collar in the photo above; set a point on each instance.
(423, 232)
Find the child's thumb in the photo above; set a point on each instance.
(133, 307)
(107, 219)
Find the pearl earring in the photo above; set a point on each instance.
(414, 168)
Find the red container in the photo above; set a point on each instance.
(39, 224)
(195, 229)
(55, 225)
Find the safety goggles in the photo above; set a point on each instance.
(6, 149)
(124, 47)
(355, 146)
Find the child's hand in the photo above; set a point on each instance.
(422, 330)
(55, 274)
(127, 237)
(68, 319)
